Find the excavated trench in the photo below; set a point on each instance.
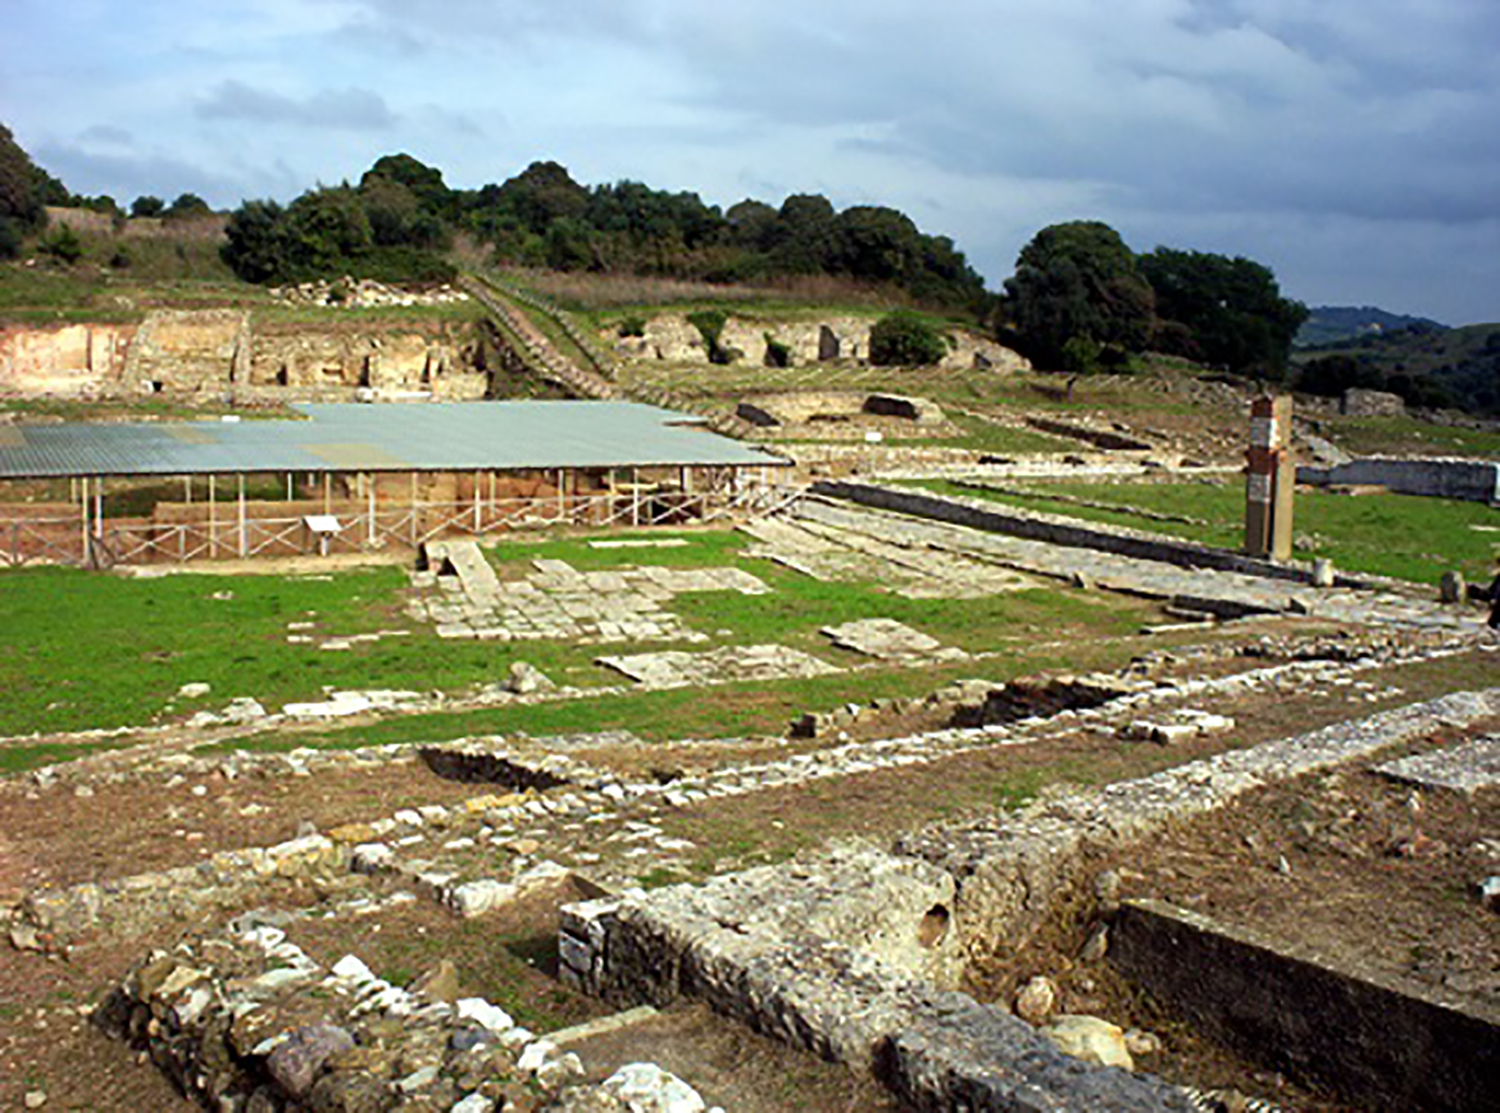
(854, 955)
(491, 769)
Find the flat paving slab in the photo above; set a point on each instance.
(736, 662)
(558, 602)
(885, 639)
(1463, 768)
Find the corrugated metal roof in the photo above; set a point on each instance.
(443, 436)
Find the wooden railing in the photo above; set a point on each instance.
(61, 541)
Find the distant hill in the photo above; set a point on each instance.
(1464, 363)
(1327, 324)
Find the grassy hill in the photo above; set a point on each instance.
(1463, 361)
(1328, 324)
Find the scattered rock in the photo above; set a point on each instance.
(1453, 588)
(1489, 893)
(525, 679)
(1090, 1039)
(1107, 892)
(438, 984)
(1037, 999)
(196, 690)
(1139, 1042)
(35, 1099)
(296, 1063)
(1097, 945)
(646, 1088)
(24, 937)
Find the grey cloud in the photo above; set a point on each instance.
(343, 109)
(106, 134)
(515, 21)
(125, 176)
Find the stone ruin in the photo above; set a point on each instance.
(671, 338)
(223, 355)
(844, 413)
(859, 952)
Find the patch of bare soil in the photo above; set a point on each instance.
(49, 1044)
(1375, 874)
(54, 837)
(508, 956)
(732, 1067)
(1349, 863)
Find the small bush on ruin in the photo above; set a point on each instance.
(906, 339)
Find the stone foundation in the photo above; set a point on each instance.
(1470, 480)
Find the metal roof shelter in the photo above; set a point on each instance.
(454, 436)
(404, 474)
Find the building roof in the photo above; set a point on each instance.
(442, 436)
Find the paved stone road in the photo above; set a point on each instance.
(558, 602)
(1137, 576)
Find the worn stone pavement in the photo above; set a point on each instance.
(558, 602)
(1155, 579)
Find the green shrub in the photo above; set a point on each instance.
(63, 245)
(710, 325)
(632, 326)
(777, 353)
(10, 239)
(906, 339)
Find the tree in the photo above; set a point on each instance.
(1078, 281)
(425, 182)
(257, 246)
(186, 206)
(326, 229)
(803, 242)
(22, 209)
(63, 245)
(752, 224)
(1230, 311)
(904, 338)
(147, 205)
(542, 193)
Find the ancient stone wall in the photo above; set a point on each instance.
(66, 361)
(188, 353)
(671, 339)
(980, 514)
(340, 365)
(219, 355)
(209, 226)
(1471, 480)
(1371, 403)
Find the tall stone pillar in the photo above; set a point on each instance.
(1270, 479)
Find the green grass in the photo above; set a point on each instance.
(24, 757)
(1031, 624)
(979, 435)
(84, 650)
(705, 549)
(42, 297)
(1401, 536)
(1377, 436)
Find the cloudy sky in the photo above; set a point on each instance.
(1352, 145)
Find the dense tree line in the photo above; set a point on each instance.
(25, 191)
(1081, 300)
(1331, 375)
(402, 212)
